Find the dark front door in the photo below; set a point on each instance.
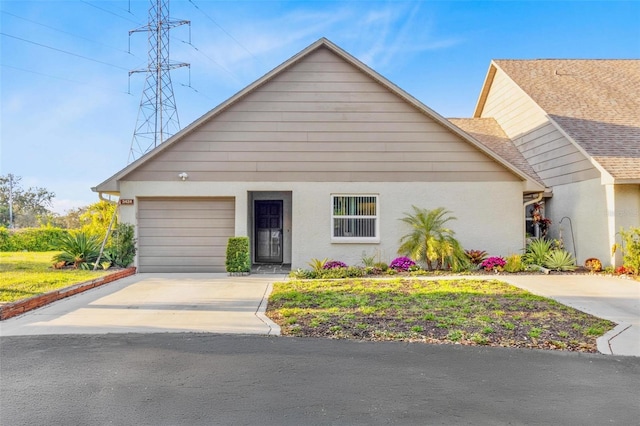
(268, 231)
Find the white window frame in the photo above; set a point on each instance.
(351, 240)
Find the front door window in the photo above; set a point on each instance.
(268, 231)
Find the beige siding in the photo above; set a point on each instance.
(322, 120)
(556, 160)
(184, 234)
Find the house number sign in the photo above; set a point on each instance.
(126, 201)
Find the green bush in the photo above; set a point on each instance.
(631, 250)
(121, 250)
(238, 255)
(45, 238)
(514, 263)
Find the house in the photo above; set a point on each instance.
(577, 125)
(321, 157)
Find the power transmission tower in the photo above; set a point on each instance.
(158, 116)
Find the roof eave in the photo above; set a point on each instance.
(484, 92)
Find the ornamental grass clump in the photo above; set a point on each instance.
(401, 264)
(494, 263)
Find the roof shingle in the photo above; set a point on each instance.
(595, 101)
(488, 132)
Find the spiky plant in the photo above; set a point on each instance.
(560, 260)
(318, 265)
(77, 248)
(476, 256)
(537, 251)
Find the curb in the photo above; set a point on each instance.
(274, 329)
(13, 309)
(604, 341)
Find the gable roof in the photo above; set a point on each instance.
(111, 185)
(595, 102)
(489, 132)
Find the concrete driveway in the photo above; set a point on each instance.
(157, 303)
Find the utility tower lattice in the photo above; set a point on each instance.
(158, 116)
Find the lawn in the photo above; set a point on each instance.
(28, 274)
(460, 311)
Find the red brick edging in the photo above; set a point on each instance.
(16, 308)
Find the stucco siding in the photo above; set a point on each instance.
(585, 204)
(554, 158)
(322, 120)
(492, 223)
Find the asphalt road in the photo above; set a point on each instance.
(204, 379)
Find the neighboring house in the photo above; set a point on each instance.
(577, 125)
(319, 158)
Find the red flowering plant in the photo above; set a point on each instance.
(494, 263)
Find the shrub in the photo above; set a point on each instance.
(514, 263)
(44, 238)
(476, 256)
(78, 249)
(333, 264)
(631, 250)
(381, 265)
(494, 263)
(622, 270)
(401, 264)
(238, 255)
(537, 251)
(122, 248)
(560, 260)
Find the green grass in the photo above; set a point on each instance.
(28, 274)
(464, 311)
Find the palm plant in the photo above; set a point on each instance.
(77, 248)
(430, 240)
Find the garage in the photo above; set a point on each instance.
(184, 234)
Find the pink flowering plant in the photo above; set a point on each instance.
(494, 263)
(401, 264)
(334, 264)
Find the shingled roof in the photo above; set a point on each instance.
(490, 134)
(595, 102)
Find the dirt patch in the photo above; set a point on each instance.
(467, 312)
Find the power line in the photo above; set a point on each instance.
(60, 78)
(62, 51)
(213, 61)
(110, 12)
(66, 32)
(226, 32)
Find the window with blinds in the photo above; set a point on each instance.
(355, 218)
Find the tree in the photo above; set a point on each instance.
(430, 241)
(71, 220)
(23, 207)
(96, 217)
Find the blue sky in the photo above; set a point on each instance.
(68, 107)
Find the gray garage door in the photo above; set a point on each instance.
(184, 234)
